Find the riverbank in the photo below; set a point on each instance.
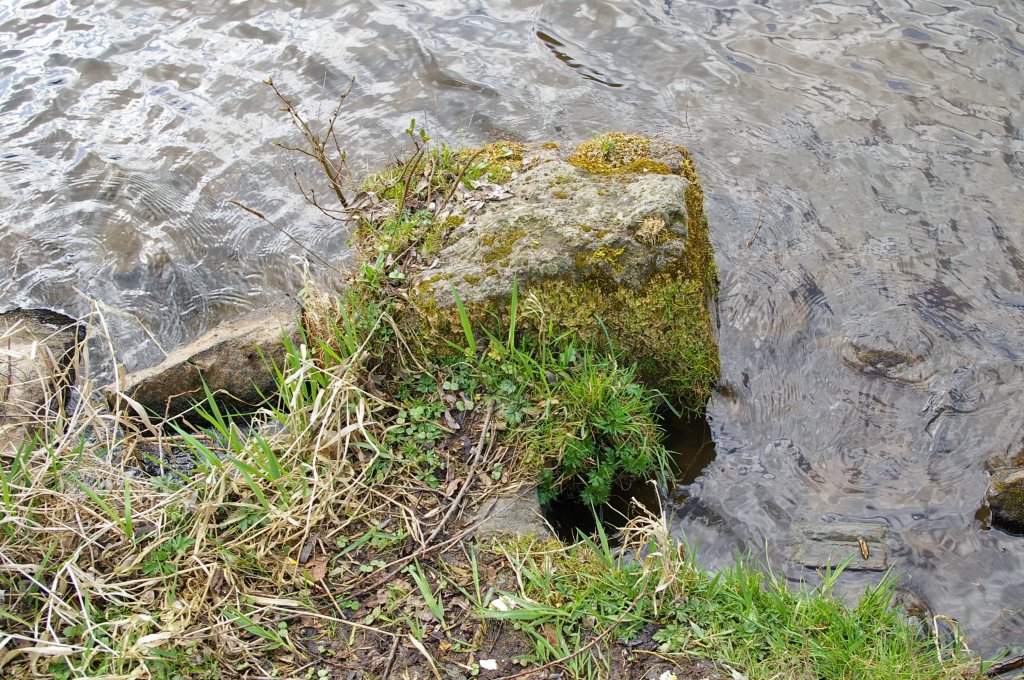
(333, 529)
(331, 534)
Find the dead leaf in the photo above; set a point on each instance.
(458, 602)
(452, 486)
(307, 549)
(550, 635)
(317, 568)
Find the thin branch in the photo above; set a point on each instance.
(457, 503)
(757, 227)
(294, 240)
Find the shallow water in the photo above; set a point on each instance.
(862, 162)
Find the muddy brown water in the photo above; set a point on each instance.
(863, 164)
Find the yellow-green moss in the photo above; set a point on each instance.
(500, 244)
(549, 145)
(611, 153)
(664, 326)
(471, 279)
(561, 193)
(701, 261)
(594, 261)
(499, 159)
(433, 239)
(646, 165)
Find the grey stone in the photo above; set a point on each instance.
(563, 222)
(1006, 499)
(38, 350)
(828, 544)
(232, 359)
(518, 514)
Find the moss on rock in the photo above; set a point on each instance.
(498, 161)
(1006, 499)
(632, 265)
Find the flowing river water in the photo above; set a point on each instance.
(863, 165)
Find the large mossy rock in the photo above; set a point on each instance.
(613, 234)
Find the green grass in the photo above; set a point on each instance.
(326, 510)
(740, 618)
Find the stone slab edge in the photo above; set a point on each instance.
(230, 358)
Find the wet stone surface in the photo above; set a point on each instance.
(828, 544)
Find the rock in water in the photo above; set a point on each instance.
(38, 350)
(1006, 499)
(612, 242)
(828, 544)
(233, 359)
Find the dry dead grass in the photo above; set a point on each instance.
(251, 531)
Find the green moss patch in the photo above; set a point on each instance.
(616, 152)
(497, 161)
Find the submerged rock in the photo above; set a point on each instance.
(887, 362)
(611, 242)
(828, 544)
(233, 359)
(1006, 499)
(38, 350)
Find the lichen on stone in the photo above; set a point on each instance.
(501, 243)
(598, 260)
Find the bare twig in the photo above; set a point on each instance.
(319, 143)
(458, 180)
(757, 227)
(294, 240)
(391, 659)
(456, 504)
